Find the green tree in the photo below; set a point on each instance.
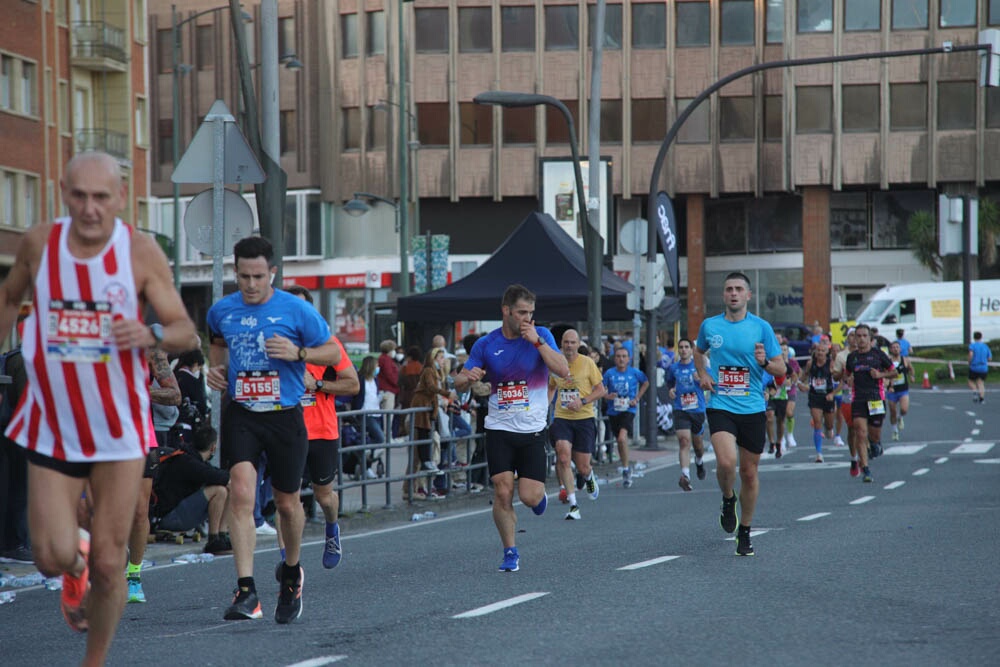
(922, 226)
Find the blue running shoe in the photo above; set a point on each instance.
(510, 560)
(333, 553)
(539, 509)
(135, 593)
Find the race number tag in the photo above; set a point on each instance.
(689, 401)
(308, 399)
(79, 331)
(621, 403)
(512, 396)
(567, 396)
(733, 381)
(819, 385)
(262, 389)
(899, 380)
(876, 408)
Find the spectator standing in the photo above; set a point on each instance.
(429, 388)
(388, 375)
(368, 400)
(15, 544)
(190, 377)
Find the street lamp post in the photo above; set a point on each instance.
(591, 235)
(404, 167)
(175, 61)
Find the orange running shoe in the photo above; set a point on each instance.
(75, 589)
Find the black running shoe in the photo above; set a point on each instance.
(728, 518)
(290, 599)
(875, 450)
(743, 546)
(700, 467)
(245, 605)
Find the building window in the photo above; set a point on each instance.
(62, 100)
(725, 227)
(477, 124)
(556, 127)
(432, 123)
(377, 129)
(519, 125)
(611, 121)
(6, 70)
(29, 88)
(861, 15)
(993, 17)
(517, 28)
(993, 107)
(288, 130)
(9, 199)
(908, 106)
(352, 129)
(737, 22)
(694, 26)
(813, 109)
(612, 26)
(649, 27)
(861, 108)
(141, 122)
(775, 18)
(773, 118)
(956, 13)
(956, 105)
(695, 129)
(815, 15)
(375, 33)
(205, 49)
(736, 119)
(431, 26)
(774, 224)
(561, 28)
(349, 36)
(649, 120)
(165, 50)
(848, 221)
(30, 201)
(475, 32)
(909, 14)
(286, 36)
(891, 211)
(165, 140)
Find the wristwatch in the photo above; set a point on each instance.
(319, 385)
(157, 331)
(302, 354)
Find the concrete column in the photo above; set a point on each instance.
(695, 262)
(817, 273)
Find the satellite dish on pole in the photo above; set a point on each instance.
(198, 221)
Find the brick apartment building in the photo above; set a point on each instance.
(72, 78)
(804, 178)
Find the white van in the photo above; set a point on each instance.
(931, 313)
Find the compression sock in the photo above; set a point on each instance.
(247, 584)
(789, 424)
(282, 554)
(133, 571)
(818, 440)
(330, 531)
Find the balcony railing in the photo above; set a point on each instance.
(99, 139)
(98, 45)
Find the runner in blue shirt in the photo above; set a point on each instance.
(261, 338)
(689, 411)
(518, 358)
(979, 360)
(626, 386)
(742, 347)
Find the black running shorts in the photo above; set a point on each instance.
(859, 410)
(280, 433)
(689, 421)
(523, 453)
(750, 430)
(580, 433)
(322, 461)
(620, 421)
(819, 402)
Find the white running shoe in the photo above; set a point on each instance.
(838, 442)
(790, 440)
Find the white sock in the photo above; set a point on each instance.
(698, 460)
(686, 472)
(572, 498)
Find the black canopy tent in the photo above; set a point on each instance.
(540, 255)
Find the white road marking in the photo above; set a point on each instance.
(970, 413)
(921, 471)
(974, 431)
(972, 447)
(979, 422)
(987, 461)
(647, 563)
(893, 485)
(497, 606)
(319, 662)
(948, 407)
(967, 440)
(813, 517)
(862, 500)
(943, 459)
(903, 450)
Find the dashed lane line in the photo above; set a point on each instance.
(921, 471)
(647, 563)
(943, 459)
(319, 662)
(862, 500)
(893, 485)
(813, 517)
(501, 605)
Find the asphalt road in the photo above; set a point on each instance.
(899, 572)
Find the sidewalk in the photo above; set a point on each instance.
(354, 520)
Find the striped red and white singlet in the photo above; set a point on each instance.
(94, 406)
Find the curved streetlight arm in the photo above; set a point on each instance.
(368, 195)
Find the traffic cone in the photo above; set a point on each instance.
(927, 381)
